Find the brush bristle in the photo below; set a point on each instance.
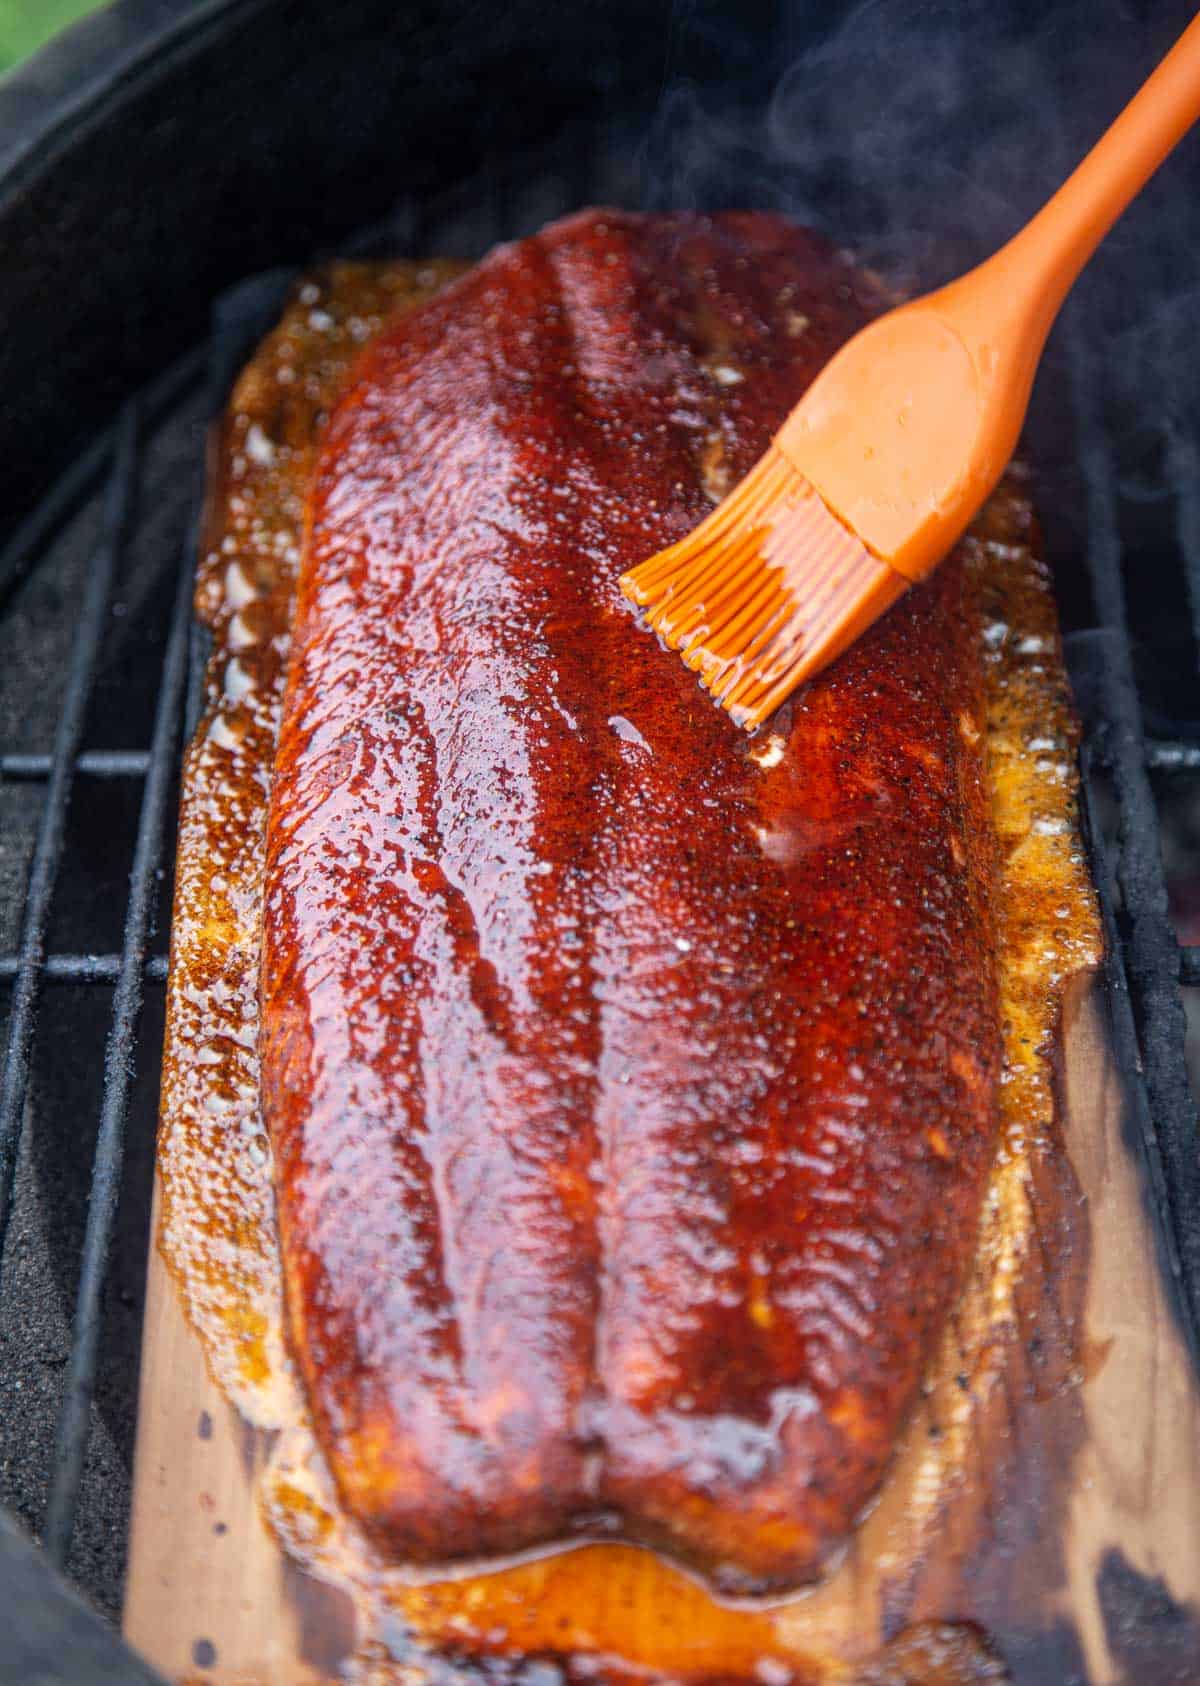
(764, 593)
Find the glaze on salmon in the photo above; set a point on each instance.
(632, 1083)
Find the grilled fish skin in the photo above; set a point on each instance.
(631, 1084)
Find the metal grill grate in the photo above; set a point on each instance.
(30, 967)
(1145, 965)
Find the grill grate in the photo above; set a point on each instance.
(1145, 965)
(31, 966)
(127, 1002)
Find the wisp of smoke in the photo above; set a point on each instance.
(922, 133)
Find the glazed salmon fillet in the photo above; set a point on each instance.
(632, 1082)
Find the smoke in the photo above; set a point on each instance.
(908, 127)
(922, 133)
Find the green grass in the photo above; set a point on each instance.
(25, 24)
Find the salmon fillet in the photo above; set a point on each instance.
(631, 1082)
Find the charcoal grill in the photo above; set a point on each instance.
(161, 153)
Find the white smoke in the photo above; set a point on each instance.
(922, 133)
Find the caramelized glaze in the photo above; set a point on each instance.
(631, 1095)
(215, 1155)
(606, 1600)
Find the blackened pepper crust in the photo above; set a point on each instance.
(632, 1084)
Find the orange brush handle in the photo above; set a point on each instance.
(905, 439)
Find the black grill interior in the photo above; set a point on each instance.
(98, 661)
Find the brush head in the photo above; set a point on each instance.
(765, 592)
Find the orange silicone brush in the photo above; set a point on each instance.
(884, 462)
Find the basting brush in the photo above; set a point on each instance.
(893, 449)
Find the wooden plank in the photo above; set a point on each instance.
(1136, 1485)
(212, 1598)
(209, 1595)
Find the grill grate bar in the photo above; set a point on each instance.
(82, 968)
(93, 764)
(1123, 1029)
(75, 1417)
(193, 702)
(54, 511)
(1183, 457)
(69, 491)
(48, 844)
(1169, 755)
(1152, 960)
